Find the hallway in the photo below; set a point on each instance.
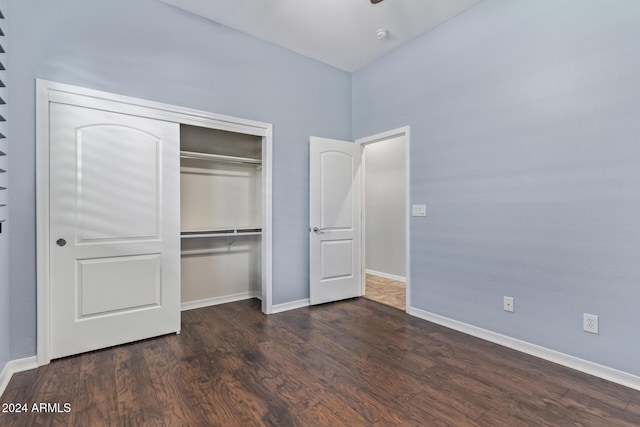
(386, 291)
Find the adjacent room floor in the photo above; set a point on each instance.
(387, 291)
(351, 363)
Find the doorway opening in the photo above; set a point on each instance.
(385, 214)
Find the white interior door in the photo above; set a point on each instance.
(335, 220)
(114, 229)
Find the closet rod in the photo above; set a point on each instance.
(223, 232)
(226, 250)
(193, 236)
(218, 157)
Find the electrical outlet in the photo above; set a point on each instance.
(419, 210)
(590, 323)
(507, 303)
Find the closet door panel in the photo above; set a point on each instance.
(124, 204)
(137, 277)
(114, 229)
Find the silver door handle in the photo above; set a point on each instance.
(318, 230)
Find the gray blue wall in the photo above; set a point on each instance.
(4, 211)
(525, 127)
(150, 50)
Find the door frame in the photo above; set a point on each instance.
(404, 132)
(48, 92)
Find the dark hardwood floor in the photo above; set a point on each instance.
(351, 363)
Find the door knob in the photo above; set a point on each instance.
(317, 230)
(61, 242)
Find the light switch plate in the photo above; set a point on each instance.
(419, 210)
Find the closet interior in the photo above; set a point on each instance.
(221, 216)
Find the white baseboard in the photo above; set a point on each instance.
(386, 275)
(13, 367)
(190, 305)
(279, 308)
(591, 368)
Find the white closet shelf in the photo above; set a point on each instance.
(218, 157)
(221, 232)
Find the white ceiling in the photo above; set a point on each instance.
(341, 33)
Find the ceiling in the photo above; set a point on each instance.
(341, 33)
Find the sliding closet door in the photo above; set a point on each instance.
(114, 229)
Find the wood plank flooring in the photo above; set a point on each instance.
(386, 291)
(351, 363)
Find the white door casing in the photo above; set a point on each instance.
(335, 220)
(114, 229)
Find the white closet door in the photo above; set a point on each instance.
(335, 220)
(114, 224)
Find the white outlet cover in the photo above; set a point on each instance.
(590, 323)
(508, 304)
(419, 210)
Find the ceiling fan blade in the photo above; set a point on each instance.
(375, 1)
